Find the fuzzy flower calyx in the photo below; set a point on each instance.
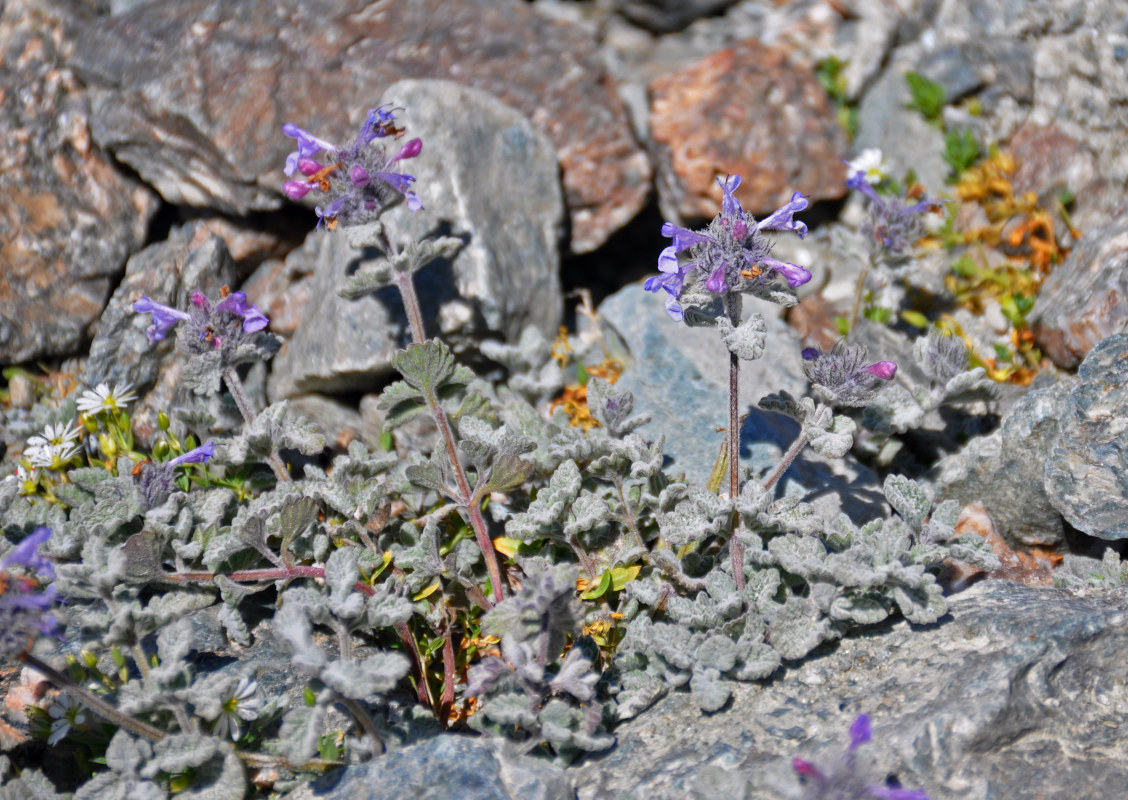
(731, 254)
(893, 224)
(156, 480)
(24, 604)
(220, 326)
(358, 181)
(844, 779)
(841, 375)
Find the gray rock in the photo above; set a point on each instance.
(679, 375)
(444, 768)
(1087, 469)
(1019, 694)
(214, 139)
(493, 180)
(1004, 470)
(339, 424)
(1085, 299)
(663, 16)
(68, 218)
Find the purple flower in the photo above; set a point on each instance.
(358, 180)
(164, 318)
(24, 604)
(893, 225)
(842, 780)
(200, 454)
(842, 377)
(236, 303)
(731, 254)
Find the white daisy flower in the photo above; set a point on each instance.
(59, 434)
(52, 456)
(66, 713)
(240, 705)
(870, 164)
(26, 479)
(102, 398)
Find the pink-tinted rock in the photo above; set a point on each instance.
(749, 110)
(1085, 299)
(68, 218)
(1051, 162)
(195, 93)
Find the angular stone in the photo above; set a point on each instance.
(1004, 470)
(1085, 299)
(664, 16)
(990, 703)
(1087, 471)
(194, 94)
(749, 110)
(68, 218)
(496, 187)
(446, 767)
(679, 375)
(1051, 162)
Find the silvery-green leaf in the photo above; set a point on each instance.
(893, 410)
(797, 628)
(576, 676)
(425, 366)
(291, 625)
(708, 690)
(505, 473)
(835, 442)
(800, 555)
(341, 575)
(716, 652)
(301, 731)
(783, 403)
(179, 752)
(589, 512)
(127, 754)
(974, 549)
(757, 660)
(860, 609)
(203, 373)
(922, 606)
(377, 673)
(221, 778)
(908, 499)
(747, 340)
(971, 385)
(700, 307)
(510, 710)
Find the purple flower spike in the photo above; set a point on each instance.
(199, 455)
(308, 146)
(164, 318)
(296, 190)
(253, 318)
(883, 369)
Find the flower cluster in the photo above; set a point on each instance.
(357, 180)
(842, 377)
(893, 224)
(221, 326)
(841, 781)
(52, 449)
(155, 480)
(24, 604)
(104, 400)
(870, 166)
(728, 255)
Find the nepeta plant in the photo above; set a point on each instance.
(730, 258)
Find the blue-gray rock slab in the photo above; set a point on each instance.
(1086, 474)
(679, 375)
(446, 767)
(1019, 693)
(491, 179)
(193, 94)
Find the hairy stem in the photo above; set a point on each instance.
(787, 460)
(235, 386)
(414, 310)
(448, 673)
(93, 701)
(736, 547)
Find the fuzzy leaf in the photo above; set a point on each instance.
(179, 752)
(837, 440)
(425, 367)
(203, 373)
(359, 680)
(708, 690)
(716, 652)
(797, 628)
(401, 403)
(301, 731)
(908, 499)
(747, 340)
(922, 606)
(862, 610)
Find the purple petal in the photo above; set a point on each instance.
(883, 369)
(807, 769)
(891, 793)
(782, 219)
(670, 282)
(359, 176)
(378, 123)
(795, 274)
(716, 281)
(253, 318)
(674, 309)
(27, 553)
(730, 206)
(860, 732)
(859, 182)
(683, 237)
(164, 318)
(200, 454)
(330, 211)
(668, 260)
(308, 146)
(307, 166)
(809, 354)
(413, 201)
(409, 150)
(401, 183)
(296, 190)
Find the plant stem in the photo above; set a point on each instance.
(406, 284)
(235, 386)
(859, 290)
(736, 547)
(787, 460)
(365, 719)
(92, 701)
(447, 701)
